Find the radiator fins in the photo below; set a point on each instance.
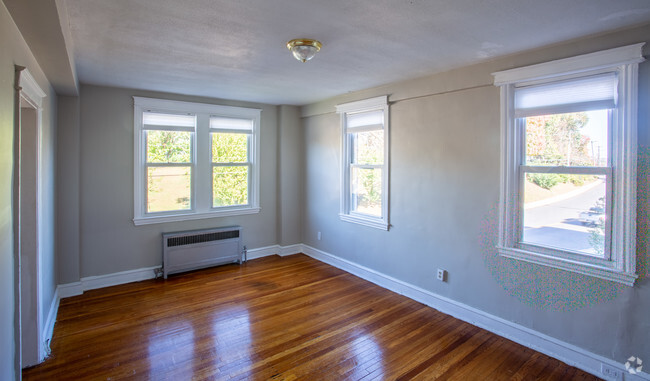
(198, 238)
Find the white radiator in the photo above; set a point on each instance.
(190, 250)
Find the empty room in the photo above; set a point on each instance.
(324, 190)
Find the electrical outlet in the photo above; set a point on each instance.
(611, 373)
(441, 275)
(319, 236)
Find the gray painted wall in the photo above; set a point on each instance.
(67, 201)
(290, 168)
(28, 239)
(444, 193)
(109, 241)
(15, 51)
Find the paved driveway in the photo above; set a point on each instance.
(557, 224)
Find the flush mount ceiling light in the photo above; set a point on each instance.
(304, 49)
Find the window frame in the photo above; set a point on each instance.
(346, 214)
(201, 153)
(620, 264)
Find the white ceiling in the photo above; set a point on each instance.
(236, 49)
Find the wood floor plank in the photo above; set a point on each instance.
(275, 318)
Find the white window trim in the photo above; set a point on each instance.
(622, 265)
(372, 104)
(201, 207)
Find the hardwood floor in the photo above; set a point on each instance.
(280, 319)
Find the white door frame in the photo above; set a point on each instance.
(30, 351)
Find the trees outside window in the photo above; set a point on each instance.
(568, 163)
(194, 160)
(364, 170)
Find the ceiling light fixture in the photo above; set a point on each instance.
(304, 49)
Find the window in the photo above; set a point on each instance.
(569, 163)
(364, 170)
(230, 141)
(194, 160)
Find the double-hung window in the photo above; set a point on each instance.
(231, 139)
(168, 161)
(364, 170)
(194, 160)
(569, 163)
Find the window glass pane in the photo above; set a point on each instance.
(231, 123)
(573, 139)
(365, 186)
(229, 148)
(368, 147)
(168, 188)
(159, 119)
(565, 212)
(168, 146)
(229, 186)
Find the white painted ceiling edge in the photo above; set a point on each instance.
(237, 49)
(44, 25)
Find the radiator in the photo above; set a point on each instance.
(191, 250)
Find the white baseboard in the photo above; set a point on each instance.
(274, 250)
(262, 252)
(101, 281)
(568, 353)
(122, 277)
(107, 280)
(291, 249)
(70, 289)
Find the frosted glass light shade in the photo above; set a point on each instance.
(304, 53)
(304, 49)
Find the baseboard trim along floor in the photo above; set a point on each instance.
(568, 353)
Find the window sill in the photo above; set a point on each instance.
(370, 222)
(601, 272)
(194, 216)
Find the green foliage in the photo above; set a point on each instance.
(597, 237)
(597, 233)
(545, 180)
(368, 147)
(229, 148)
(229, 183)
(229, 186)
(557, 140)
(549, 180)
(372, 183)
(168, 146)
(367, 187)
(168, 188)
(580, 180)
